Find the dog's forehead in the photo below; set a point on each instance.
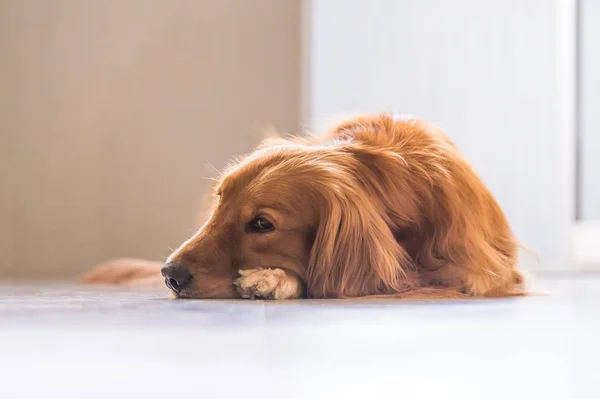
(255, 167)
(281, 171)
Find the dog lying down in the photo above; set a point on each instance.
(375, 207)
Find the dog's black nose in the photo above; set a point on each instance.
(177, 276)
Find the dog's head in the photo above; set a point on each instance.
(315, 210)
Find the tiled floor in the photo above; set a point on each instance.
(77, 342)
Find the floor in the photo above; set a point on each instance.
(65, 341)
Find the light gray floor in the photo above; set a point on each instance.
(76, 342)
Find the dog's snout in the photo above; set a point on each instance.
(177, 276)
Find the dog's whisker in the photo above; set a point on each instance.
(212, 166)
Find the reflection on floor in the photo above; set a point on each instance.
(81, 342)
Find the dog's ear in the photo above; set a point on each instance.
(354, 251)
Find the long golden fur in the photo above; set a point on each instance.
(376, 206)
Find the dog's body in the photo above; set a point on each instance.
(376, 206)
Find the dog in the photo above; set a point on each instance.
(377, 206)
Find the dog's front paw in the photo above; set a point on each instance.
(268, 284)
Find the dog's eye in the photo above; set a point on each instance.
(260, 225)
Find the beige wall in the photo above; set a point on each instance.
(110, 109)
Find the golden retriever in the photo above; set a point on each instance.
(378, 206)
